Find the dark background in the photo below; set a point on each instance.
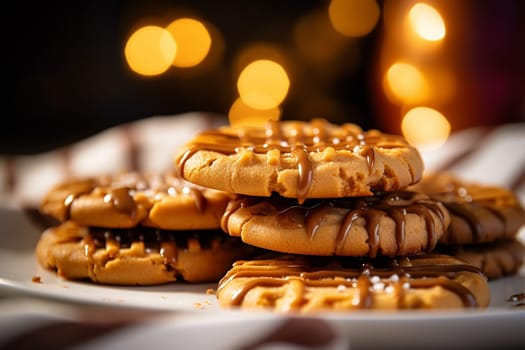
(71, 79)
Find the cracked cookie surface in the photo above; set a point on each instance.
(299, 159)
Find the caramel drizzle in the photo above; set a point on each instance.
(457, 206)
(121, 197)
(173, 184)
(352, 273)
(297, 144)
(395, 204)
(122, 200)
(304, 167)
(166, 243)
(233, 206)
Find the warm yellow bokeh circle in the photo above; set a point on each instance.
(263, 84)
(150, 50)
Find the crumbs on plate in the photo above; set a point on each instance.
(36, 279)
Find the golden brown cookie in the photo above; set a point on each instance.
(391, 224)
(145, 256)
(495, 259)
(298, 159)
(479, 213)
(130, 199)
(306, 284)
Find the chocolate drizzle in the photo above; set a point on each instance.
(166, 243)
(122, 200)
(471, 203)
(370, 154)
(305, 171)
(119, 190)
(470, 218)
(396, 205)
(294, 139)
(399, 275)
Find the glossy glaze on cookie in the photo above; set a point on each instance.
(466, 205)
(119, 190)
(395, 205)
(296, 140)
(394, 276)
(129, 199)
(490, 213)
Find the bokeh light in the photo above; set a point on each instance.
(193, 41)
(427, 22)
(150, 50)
(406, 83)
(240, 114)
(316, 41)
(354, 18)
(263, 84)
(425, 128)
(259, 50)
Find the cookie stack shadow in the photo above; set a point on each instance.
(341, 218)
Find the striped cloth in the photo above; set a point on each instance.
(488, 155)
(491, 155)
(144, 145)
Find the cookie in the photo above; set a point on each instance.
(391, 224)
(130, 199)
(299, 159)
(495, 259)
(479, 213)
(144, 256)
(305, 284)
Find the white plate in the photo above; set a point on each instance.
(18, 267)
(18, 236)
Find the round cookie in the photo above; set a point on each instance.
(138, 257)
(495, 259)
(392, 224)
(299, 159)
(130, 199)
(479, 213)
(305, 284)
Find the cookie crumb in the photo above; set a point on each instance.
(210, 291)
(36, 279)
(517, 299)
(197, 305)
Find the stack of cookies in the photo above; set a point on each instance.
(485, 221)
(330, 209)
(293, 216)
(137, 229)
